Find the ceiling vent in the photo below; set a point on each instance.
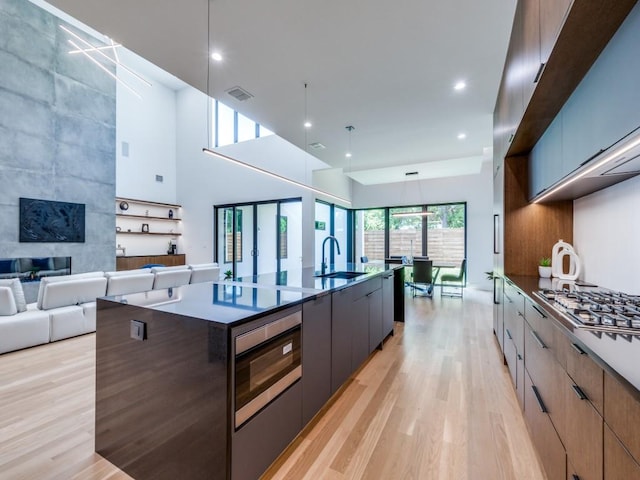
(239, 94)
(317, 146)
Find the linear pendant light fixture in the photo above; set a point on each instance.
(422, 213)
(273, 175)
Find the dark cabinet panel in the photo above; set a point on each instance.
(316, 355)
(585, 372)
(341, 304)
(552, 15)
(359, 317)
(387, 305)
(375, 320)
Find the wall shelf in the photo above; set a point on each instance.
(174, 234)
(148, 217)
(146, 202)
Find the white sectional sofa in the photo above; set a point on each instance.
(66, 305)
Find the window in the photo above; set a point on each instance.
(446, 233)
(405, 233)
(283, 237)
(370, 234)
(229, 126)
(228, 229)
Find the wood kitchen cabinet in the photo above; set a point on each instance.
(622, 414)
(543, 434)
(618, 463)
(582, 435)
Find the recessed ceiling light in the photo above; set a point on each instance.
(460, 86)
(462, 136)
(216, 56)
(307, 124)
(348, 155)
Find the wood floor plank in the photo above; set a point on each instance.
(435, 403)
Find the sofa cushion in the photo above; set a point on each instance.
(18, 293)
(129, 281)
(204, 272)
(72, 292)
(68, 322)
(23, 330)
(170, 277)
(7, 302)
(64, 278)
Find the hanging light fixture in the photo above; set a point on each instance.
(350, 128)
(422, 213)
(248, 166)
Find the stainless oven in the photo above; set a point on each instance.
(267, 361)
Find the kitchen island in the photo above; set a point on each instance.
(170, 367)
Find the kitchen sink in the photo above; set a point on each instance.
(342, 274)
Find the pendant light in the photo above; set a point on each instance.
(209, 151)
(422, 213)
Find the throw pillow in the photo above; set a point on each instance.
(18, 293)
(7, 304)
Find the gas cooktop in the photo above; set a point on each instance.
(596, 309)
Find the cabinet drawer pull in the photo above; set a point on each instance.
(543, 408)
(520, 314)
(539, 311)
(577, 348)
(508, 334)
(539, 73)
(578, 391)
(519, 356)
(537, 339)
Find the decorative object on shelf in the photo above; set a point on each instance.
(172, 249)
(560, 250)
(118, 229)
(128, 230)
(121, 251)
(145, 228)
(544, 267)
(170, 213)
(124, 206)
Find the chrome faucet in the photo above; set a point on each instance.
(323, 267)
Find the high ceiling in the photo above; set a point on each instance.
(387, 68)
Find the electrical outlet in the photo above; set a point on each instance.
(138, 330)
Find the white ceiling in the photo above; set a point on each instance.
(387, 68)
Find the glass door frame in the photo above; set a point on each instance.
(220, 209)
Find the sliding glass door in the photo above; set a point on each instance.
(262, 237)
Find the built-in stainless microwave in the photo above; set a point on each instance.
(267, 361)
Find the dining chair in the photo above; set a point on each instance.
(453, 282)
(424, 276)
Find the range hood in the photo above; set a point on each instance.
(615, 164)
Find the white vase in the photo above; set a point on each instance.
(544, 272)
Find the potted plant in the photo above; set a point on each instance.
(228, 274)
(544, 267)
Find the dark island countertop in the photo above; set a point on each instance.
(617, 354)
(231, 303)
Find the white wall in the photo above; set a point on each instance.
(476, 190)
(606, 228)
(148, 125)
(204, 181)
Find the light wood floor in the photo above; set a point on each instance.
(435, 403)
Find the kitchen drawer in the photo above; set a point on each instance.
(365, 288)
(510, 354)
(543, 327)
(585, 372)
(582, 437)
(547, 375)
(543, 434)
(622, 414)
(618, 463)
(515, 296)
